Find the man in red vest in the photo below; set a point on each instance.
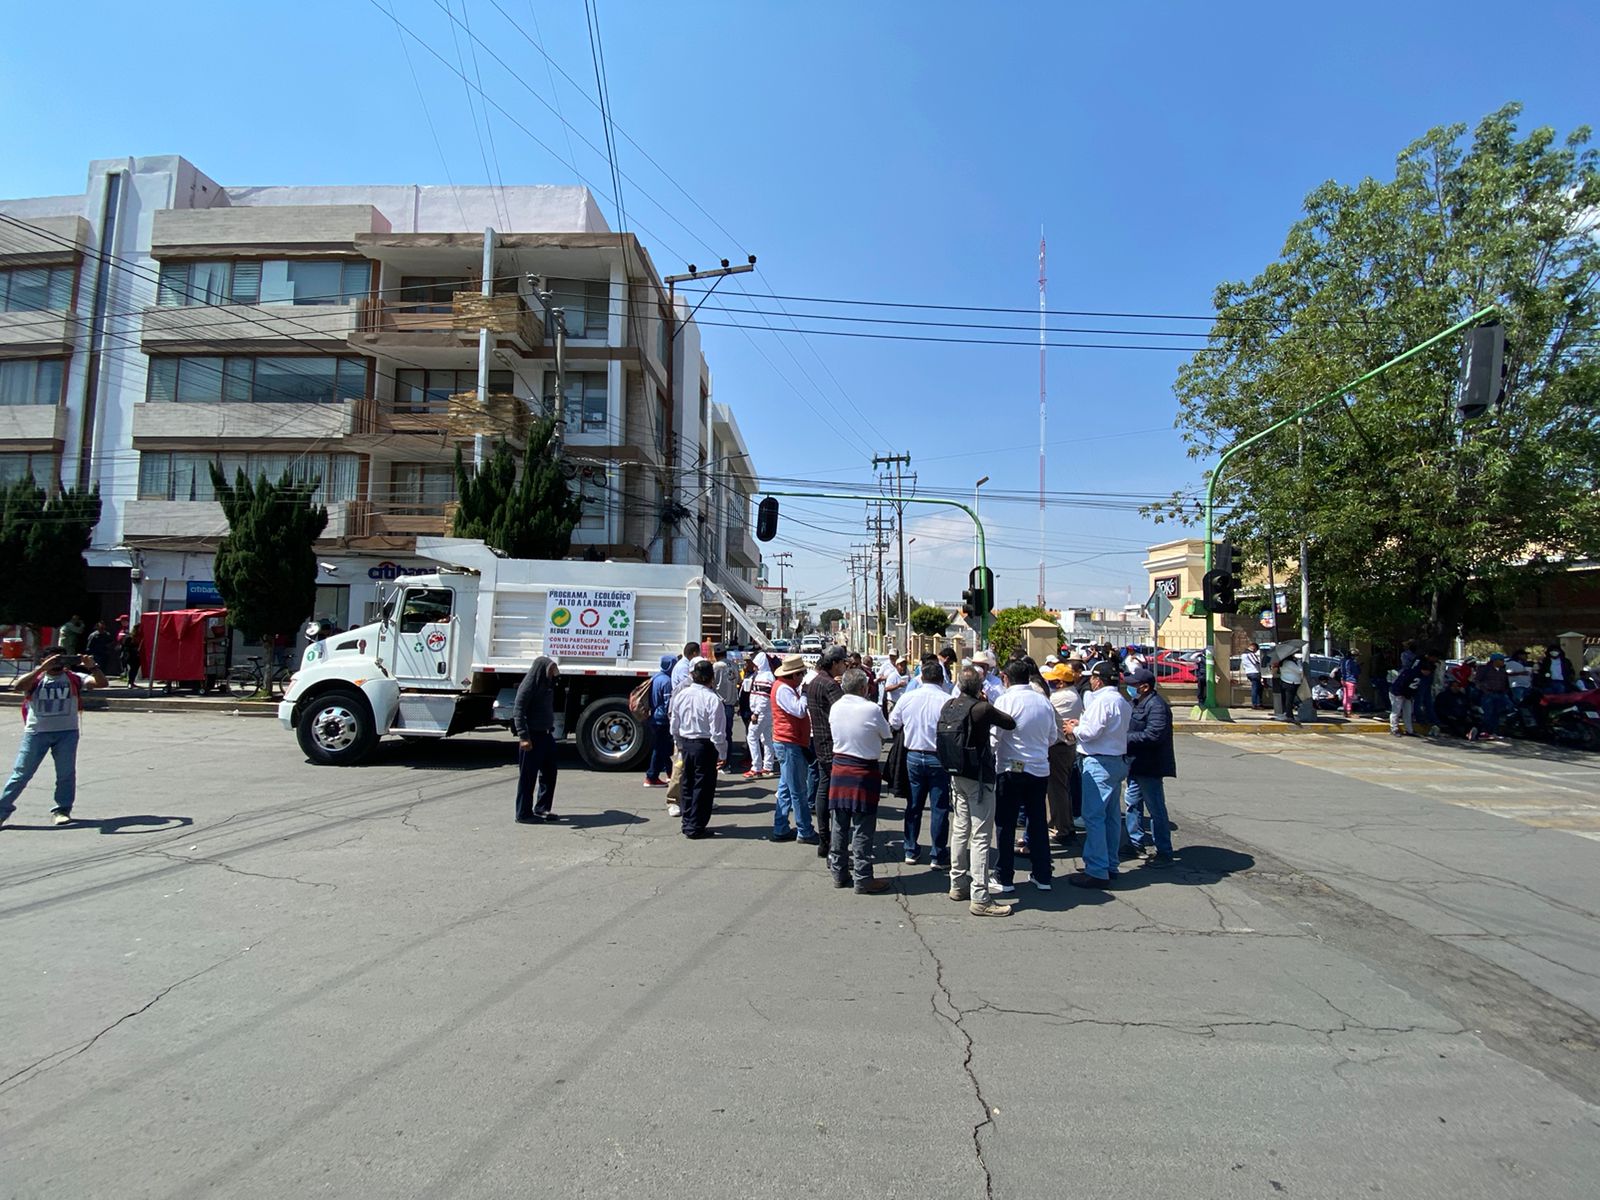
(791, 737)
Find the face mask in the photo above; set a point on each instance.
(1133, 693)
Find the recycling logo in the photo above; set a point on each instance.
(619, 618)
(561, 618)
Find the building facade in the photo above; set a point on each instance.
(160, 323)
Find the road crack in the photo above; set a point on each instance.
(958, 1023)
(233, 870)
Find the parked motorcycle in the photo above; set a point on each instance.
(1565, 718)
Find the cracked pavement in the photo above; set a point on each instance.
(246, 976)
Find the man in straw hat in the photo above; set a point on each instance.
(791, 739)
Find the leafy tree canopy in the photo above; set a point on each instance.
(831, 615)
(1005, 630)
(42, 539)
(528, 517)
(929, 620)
(1415, 524)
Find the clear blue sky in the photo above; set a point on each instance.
(888, 151)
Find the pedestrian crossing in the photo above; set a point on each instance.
(1544, 788)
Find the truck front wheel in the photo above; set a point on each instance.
(610, 737)
(336, 729)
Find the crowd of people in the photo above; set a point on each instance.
(1471, 699)
(995, 762)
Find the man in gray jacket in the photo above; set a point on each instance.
(533, 720)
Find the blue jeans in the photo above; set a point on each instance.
(660, 750)
(1147, 798)
(60, 744)
(1495, 706)
(1424, 703)
(1102, 811)
(793, 771)
(1255, 690)
(930, 788)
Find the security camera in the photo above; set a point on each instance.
(330, 568)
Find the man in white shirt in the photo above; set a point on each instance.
(50, 710)
(918, 716)
(1102, 737)
(891, 682)
(1022, 761)
(763, 758)
(993, 687)
(698, 723)
(859, 731)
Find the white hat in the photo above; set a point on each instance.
(983, 658)
(1050, 660)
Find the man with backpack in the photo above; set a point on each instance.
(50, 726)
(963, 738)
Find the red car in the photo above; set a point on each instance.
(1178, 666)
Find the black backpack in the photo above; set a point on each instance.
(954, 738)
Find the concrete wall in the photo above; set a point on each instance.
(32, 423)
(544, 208)
(29, 333)
(172, 423)
(25, 245)
(333, 225)
(233, 324)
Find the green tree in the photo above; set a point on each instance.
(1005, 630)
(528, 517)
(830, 616)
(1416, 526)
(42, 540)
(266, 566)
(929, 620)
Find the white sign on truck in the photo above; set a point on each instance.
(582, 623)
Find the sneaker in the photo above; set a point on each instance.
(960, 893)
(989, 910)
(1042, 885)
(1082, 879)
(786, 836)
(873, 887)
(1161, 862)
(674, 810)
(62, 818)
(1001, 889)
(654, 783)
(911, 860)
(810, 840)
(752, 774)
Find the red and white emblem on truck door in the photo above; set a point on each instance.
(436, 640)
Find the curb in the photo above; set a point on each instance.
(218, 708)
(1242, 728)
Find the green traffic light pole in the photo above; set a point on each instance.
(983, 545)
(1211, 710)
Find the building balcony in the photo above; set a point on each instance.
(202, 520)
(741, 549)
(367, 518)
(172, 423)
(239, 327)
(35, 334)
(33, 426)
(411, 430)
(447, 332)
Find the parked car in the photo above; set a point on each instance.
(781, 645)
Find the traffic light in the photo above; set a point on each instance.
(979, 596)
(1219, 587)
(1482, 384)
(767, 519)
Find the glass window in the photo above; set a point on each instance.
(587, 304)
(424, 606)
(586, 401)
(269, 379)
(594, 492)
(20, 465)
(187, 476)
(300, 379)
(356, 282)
(421, 489)
(210, 283)
(199, 380)
(430, 293)
(36, 289)
(29, 381)
(315, 282)
(261, 281)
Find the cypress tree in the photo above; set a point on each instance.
(528, 517)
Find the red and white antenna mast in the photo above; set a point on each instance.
(1041, 415)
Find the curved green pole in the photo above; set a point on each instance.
(1211, 710)
(983, 545)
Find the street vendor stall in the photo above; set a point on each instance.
(187, 647)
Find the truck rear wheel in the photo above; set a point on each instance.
(336, 729)
(610, 737)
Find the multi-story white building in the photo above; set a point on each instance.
(161, 322)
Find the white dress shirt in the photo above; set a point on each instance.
(1103, 728)
(787, 697)
(1038, 728)
(858, 726)
(918, 715)
(1068, 702)
(993, 689)
(698, 712)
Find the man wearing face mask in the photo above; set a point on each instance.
(1151, 762)
(1102, 737)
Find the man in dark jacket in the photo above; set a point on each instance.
(821, 694)
(972, 795)
(1151, 761)
(533, 720)
(660, 723)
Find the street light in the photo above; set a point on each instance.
(975, 488)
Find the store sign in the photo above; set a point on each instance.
(1167, 585)
(202, 593)
(581, 623)
(389, 570)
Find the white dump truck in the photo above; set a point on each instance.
(449, 649)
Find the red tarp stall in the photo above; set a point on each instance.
(190, 647)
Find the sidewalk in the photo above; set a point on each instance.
(1249, 720)
(120, 698)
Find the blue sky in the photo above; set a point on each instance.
(884, 151)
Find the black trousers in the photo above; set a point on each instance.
(819, 801)
(536, 762)
(699, 783)
(1020, 794)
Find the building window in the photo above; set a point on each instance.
(420, 489)
(40, 467)
(595, 491)
(430, 391)
(31, 381)
(186, 475)
(587, 303)
(261, 379)
(36, 289)
(431, 293)
(264, 281)
(663, 333)
(587, 403)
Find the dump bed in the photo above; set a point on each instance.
(601, 618)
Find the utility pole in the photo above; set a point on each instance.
(555, 328)
(897, 462)
(783, 558)
(480, 440)
(877, 526)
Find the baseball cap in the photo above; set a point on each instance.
(1142, 676)
(1105, 670)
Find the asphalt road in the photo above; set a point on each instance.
(1376, 970)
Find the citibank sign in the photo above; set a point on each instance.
(389, 570)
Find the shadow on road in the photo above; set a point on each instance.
(133, 823)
